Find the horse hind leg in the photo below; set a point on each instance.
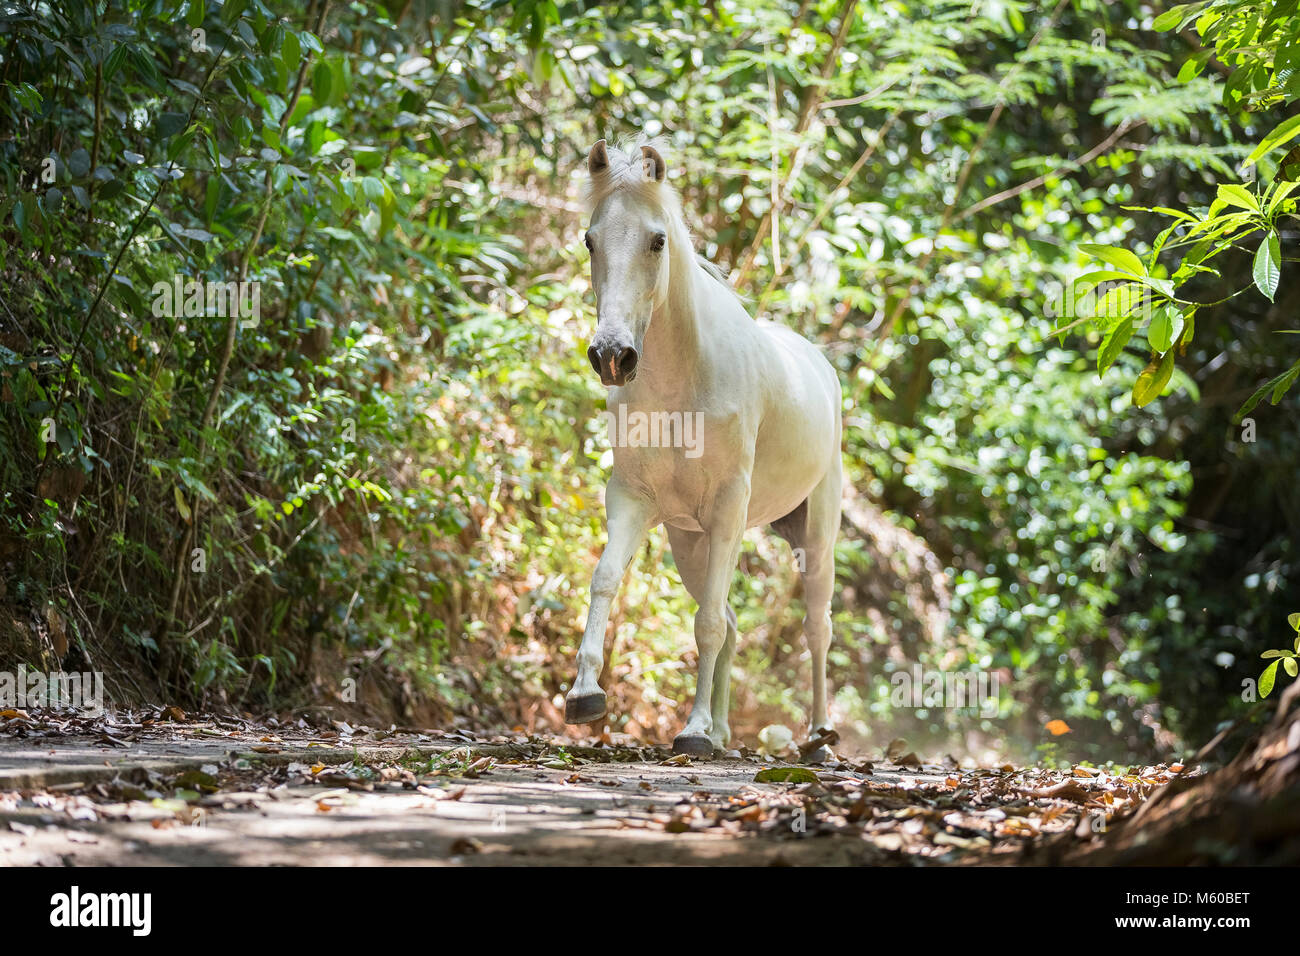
(819, 583)
(811, 530)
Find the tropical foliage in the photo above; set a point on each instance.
(374, 462)
(1258, 48)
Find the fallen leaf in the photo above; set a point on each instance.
(785, 775)
(1066, 790)
(197, 780)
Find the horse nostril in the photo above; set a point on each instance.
(594, 358)
(627, 361)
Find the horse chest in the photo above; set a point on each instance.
(680, 487)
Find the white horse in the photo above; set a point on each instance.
(672, 337)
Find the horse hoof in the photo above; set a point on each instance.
(820, 755)
(693, 745)
(585, 709)
(818, 747)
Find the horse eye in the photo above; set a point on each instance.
(586, 238)
(657, 243)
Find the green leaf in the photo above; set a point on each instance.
(1288, 170)
(1284, 382)
(211, 197)
(1116, 256)
(1286, 131)
(1178, 214)
(169, 124)
(272, 38)
(315, 137)
(1268, 265)
(1189, 328)
(1174, 17)
(115, 60)
(785, 775)
(1117, 303)
(1266, 679)
(1153, 379)
(1195, 65)
(1160, 334)
(197, 780)
(1088, 280)
(1240, 196)
(1294, 621)
(1290, 666)
(322, 82)
(179, 144)
(1280, 192)
(1113, 345)
(79, 163)
(1279, 385)
(291, 50)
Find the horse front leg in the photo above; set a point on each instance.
(711, 620)
(721, 703)
(628, 516)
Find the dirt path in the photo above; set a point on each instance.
(202, 792)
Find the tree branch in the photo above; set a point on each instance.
(1102, 147)
(810, 104)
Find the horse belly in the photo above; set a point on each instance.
(800, 435)
(781, 482)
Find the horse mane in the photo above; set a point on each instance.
(625, 174)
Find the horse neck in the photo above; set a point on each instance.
(673, 345)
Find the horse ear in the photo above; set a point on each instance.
(653, 163)
(597, 159)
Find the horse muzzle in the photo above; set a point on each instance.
(614, 363)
